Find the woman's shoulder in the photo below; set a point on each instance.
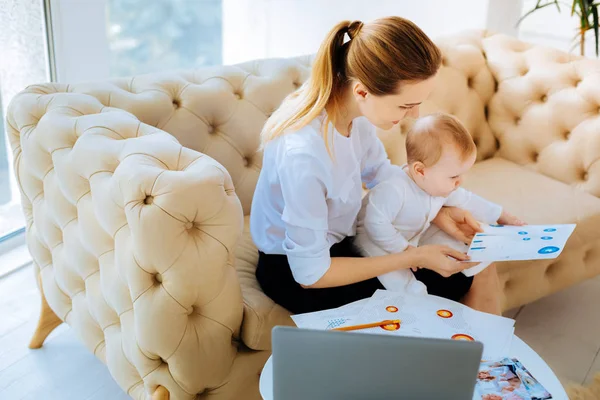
(307, 140)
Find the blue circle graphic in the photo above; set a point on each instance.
(548, 250)
(546, 237)
(549, 230)
(522, 233)
(526, 238)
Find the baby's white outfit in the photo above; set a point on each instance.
(397, 213)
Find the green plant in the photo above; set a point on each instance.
(586, 10)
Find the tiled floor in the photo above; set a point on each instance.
(563, 328)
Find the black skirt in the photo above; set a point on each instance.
(276, 280)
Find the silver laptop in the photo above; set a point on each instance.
(316, 364)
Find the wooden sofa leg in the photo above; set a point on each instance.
(46, 324)
(161, 393)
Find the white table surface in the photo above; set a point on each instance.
(518, 349)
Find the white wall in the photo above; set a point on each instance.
(284, 28)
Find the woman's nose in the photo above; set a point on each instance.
(414, 112)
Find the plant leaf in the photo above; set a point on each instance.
(596, 27)
(537, 7)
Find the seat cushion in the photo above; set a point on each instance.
(261, 313)
(541, 200)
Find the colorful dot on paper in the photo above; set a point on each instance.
(548, 250)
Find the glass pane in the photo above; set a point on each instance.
(23, 62)
(147, 36)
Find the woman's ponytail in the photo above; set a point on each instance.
(322, 89)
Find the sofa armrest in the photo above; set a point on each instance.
(545, 112)
(133, 236)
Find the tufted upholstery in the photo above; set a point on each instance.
(135, 192)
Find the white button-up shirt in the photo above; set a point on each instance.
(306, 200)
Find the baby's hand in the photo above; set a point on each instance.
(507, 218)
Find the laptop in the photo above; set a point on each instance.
(317, 364)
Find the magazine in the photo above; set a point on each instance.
(508, 379)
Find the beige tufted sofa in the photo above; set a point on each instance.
(137, 191)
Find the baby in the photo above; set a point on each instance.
(397, 213)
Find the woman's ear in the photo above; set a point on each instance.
(359, 91)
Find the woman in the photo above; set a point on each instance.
(320, 146)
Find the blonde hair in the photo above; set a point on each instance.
(429, 135)
(379, 54)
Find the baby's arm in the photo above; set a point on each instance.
(482, 209)
(384, 203)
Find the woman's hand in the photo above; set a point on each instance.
(507, 218)
(441, 259)
(457, 223)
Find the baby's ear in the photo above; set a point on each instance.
(418, 167)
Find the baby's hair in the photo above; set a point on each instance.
(429, 135)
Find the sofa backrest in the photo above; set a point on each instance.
(546, 110)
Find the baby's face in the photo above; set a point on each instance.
(441, 179)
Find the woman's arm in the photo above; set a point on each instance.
(345, 270)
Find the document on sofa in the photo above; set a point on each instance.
(518, 243)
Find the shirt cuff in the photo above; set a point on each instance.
(493, 214)
(308, 270)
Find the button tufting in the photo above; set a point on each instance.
(524, 71)
(577, 81)
(517, 120)
(535, 156)
(237, 95)
(211, 129)
(246, 161)
(176, 103)
(544, 98)
(470, 82)
(585, 176)
(190, 310)
(567, 135)
(149, 200)
(189, 225)
(486, 111)
(158, 278)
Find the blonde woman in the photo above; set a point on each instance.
(321, 145)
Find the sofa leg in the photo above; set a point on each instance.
(161, 393)
(46, 324)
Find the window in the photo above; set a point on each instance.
(24, 61)
(159, 35)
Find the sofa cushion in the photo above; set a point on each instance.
(541, 200)
(261, 313)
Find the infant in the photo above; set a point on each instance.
(397, 212)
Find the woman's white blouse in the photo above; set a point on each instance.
(305, 200)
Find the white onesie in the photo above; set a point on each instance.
(397, 213)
